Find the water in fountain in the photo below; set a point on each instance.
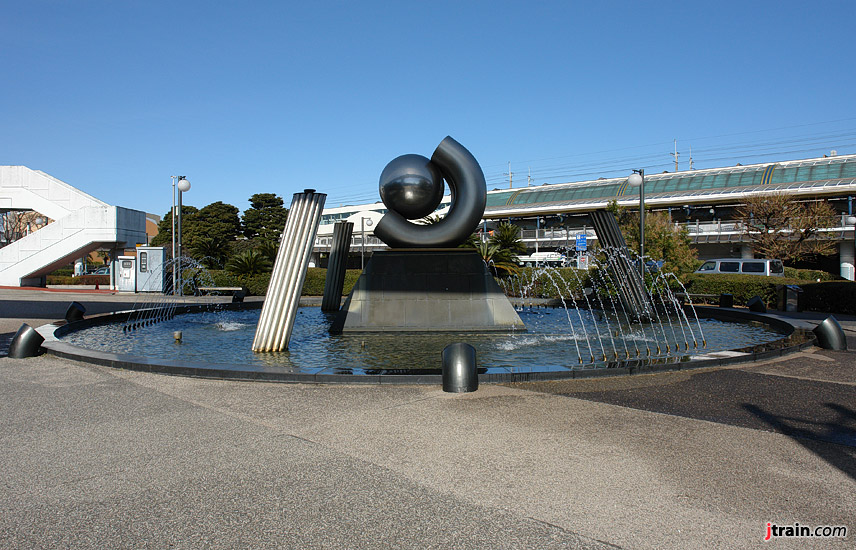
(664, 333)
(593, 324)
(151, 308)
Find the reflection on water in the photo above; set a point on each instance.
(550, 343)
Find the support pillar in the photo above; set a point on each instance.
(746, 251)
(847, 258)
(114, 266)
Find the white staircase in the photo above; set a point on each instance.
(82, 224)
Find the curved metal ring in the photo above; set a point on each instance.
(469, 196)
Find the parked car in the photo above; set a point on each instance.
(102, 271)
(770, 268)
(554, 259)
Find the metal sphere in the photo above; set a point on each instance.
(411, 186)
(635, 179)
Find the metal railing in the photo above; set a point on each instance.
(699, 232)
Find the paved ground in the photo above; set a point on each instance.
(99, 458)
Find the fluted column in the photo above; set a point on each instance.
(336, 266)
(289, 272)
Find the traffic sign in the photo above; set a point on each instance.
(581, 242)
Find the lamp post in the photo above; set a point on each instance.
(637, 179)
(37, 221)
(363, 240)
(851, 221)
(183, 186)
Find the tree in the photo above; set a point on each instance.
(507, 237)
(265, 219)
(268, 249)
(164, 236)
(204, 233)
(19, 224)
(430, 219)
(250, 262)
(664, 240)
(782, 228)
(218, 221)
(210, 252)
(497, 259)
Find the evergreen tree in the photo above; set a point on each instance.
(265, 219)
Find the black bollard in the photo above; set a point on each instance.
(25, 343)
(756, 304)
(459, 368)
(74, 312)
(830, 335)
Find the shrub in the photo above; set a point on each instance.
(810, 275)
(250, 262)
(830, 297)
(82, 280)
(550, 284)
(257, 285)
(742, 287)
(316, 278)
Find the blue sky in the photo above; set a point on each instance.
(116, 96)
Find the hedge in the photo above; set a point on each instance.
(829, 297)
(82, 280)
(742, 287)
(559, 281)
(811, 275)
(257, 285)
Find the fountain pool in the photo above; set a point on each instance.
(217, 343)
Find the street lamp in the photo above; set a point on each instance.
(637, 179)
(183, 186)
(38, 222)
(363, 240)
(851, 221)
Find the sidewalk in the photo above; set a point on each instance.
(102, 458)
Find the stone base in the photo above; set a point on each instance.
(420, 290)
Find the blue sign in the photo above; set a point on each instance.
(581, 242)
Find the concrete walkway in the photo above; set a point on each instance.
(100, 458)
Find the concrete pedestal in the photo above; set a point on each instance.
(426, 290)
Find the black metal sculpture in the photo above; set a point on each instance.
(25, 343)
(411, 187)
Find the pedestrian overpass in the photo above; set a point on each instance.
(82, 224)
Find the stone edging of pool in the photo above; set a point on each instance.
(794, 338)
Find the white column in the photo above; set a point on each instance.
(746, 251)
(289, 272)
(846, 255)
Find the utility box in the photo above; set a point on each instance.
(126, 274)
(790, 298)
(150, 268)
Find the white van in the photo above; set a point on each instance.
(771, 268)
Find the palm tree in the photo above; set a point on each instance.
(269, 249)
(250, 262)
(430, 219)
(496, 258)
(507, 237)
(211, 251)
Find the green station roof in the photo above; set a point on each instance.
(822, 176)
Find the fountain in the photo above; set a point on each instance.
(414, 300)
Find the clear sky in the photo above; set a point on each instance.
(115, 96)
